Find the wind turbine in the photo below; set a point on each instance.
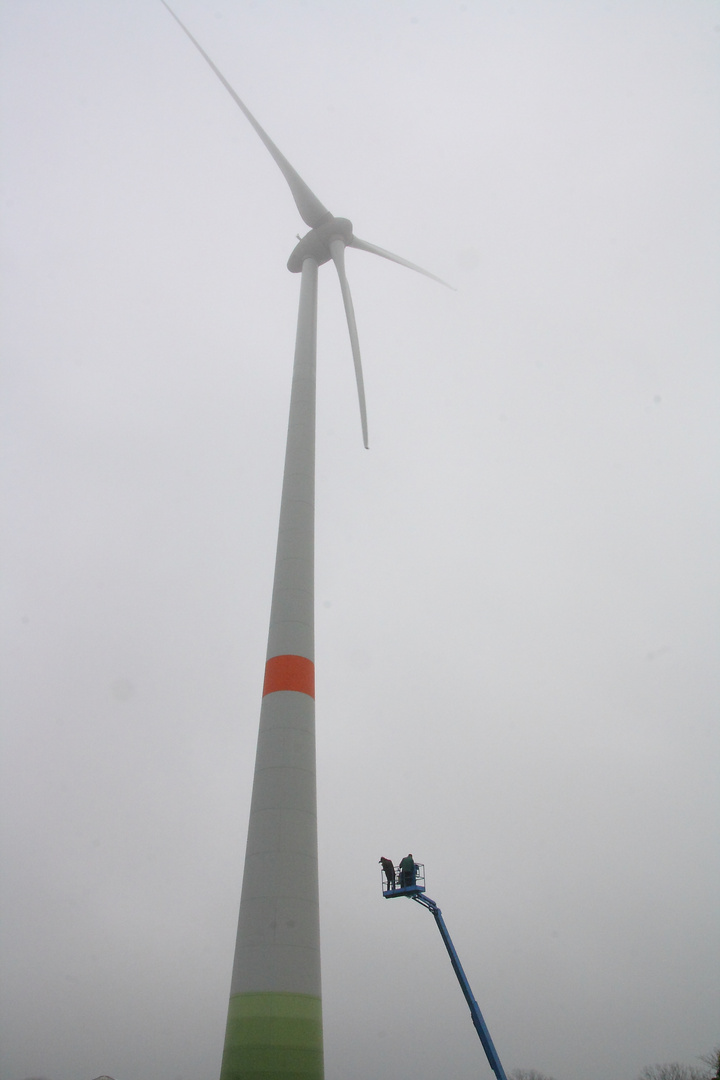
(274, 1026)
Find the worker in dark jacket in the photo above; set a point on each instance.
(389, 872)
(408, 871)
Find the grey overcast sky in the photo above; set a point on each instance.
(517, 586)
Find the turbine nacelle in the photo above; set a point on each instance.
(316, 244)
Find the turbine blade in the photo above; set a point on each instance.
(364, 246)
(311, 209)
(337, 249)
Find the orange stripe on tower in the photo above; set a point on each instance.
(289, 673)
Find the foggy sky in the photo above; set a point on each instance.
(517, 586)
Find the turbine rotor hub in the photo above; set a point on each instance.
(316, 244)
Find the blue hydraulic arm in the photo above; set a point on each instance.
(477, 1016)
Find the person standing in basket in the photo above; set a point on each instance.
(408, 870)
(389, 872)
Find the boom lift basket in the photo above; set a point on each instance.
(405, 884)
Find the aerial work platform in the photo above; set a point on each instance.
(408, 879)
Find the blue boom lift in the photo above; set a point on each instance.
(408, 879)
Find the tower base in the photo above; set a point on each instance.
(273, 1036)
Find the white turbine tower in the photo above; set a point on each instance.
(274, 1027)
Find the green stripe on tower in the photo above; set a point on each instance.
(272, 1036)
